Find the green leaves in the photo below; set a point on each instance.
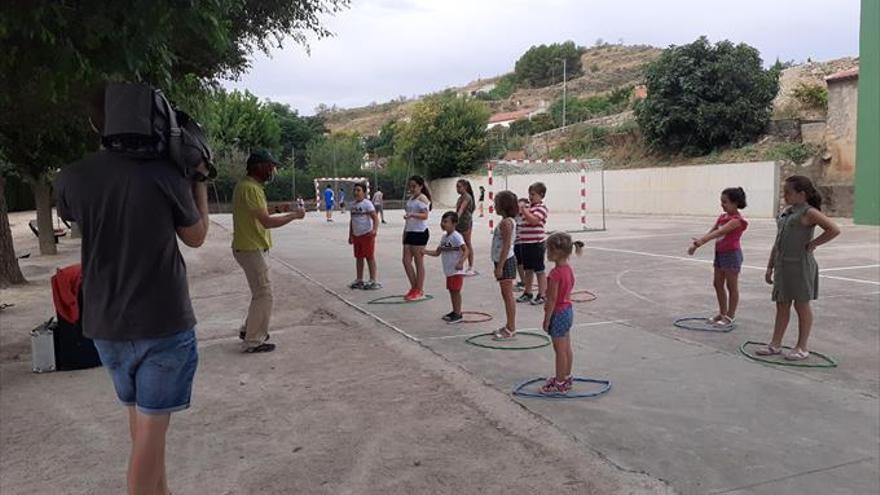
(703, 96)
(55, 53)
(542, 65)
(446, 135)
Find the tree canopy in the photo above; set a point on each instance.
(542, 65)
(703, 96)
(445, 136)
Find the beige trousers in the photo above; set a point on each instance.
(256, 270)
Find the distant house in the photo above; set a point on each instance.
(840, 124)
(504, 119)
(483, 89)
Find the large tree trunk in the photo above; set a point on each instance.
(10, 273)
(43, 198)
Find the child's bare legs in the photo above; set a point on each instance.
(564, 357)
(542, 284)
(408, 266)
(419, 257)
(455, 297)
(783, 314)
(732, 280)
(528, 276)
(359, 264)
(146, 466)
(467, 242)
(522, 274)
(720, 293)
(805, 323)
(371, 265)
(509, 303)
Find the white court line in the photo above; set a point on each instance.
(576, 325)
(697, 260)
(847, 268)
(654, 236)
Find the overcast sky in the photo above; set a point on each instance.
(386, 48)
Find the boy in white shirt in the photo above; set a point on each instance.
(453, 252)
(362, 231)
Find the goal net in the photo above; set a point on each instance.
(575, 190)
(338, 185)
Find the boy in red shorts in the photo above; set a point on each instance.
(453, 252)
(362, 235)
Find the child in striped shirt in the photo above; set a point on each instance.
(532, 238)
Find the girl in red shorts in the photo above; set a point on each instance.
(362, 235)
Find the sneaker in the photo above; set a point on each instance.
(568, 383)
(372, 285)
(551, 386)
(526, 297)
(448, 316)
(519, 287)
(414, 295)
(538, 301)
(357, 284)
(455, 318)
(264, 347)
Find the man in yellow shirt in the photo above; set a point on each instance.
(251, 241)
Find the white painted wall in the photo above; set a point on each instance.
(687, 190)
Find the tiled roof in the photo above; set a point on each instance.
(843, 75)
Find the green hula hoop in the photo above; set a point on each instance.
(400, 300)
(545, 342)
(829, 361)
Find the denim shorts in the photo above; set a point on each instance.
(155, 375)
(561, 321)
(730, 261)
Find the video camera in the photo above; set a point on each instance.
(139, 121)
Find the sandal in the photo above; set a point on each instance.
(769, 350)
(503, 333)
(797, 355)
(725, 321)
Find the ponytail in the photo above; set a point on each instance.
(799, 183)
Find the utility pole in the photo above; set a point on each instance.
(564, 94)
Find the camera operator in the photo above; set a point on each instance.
(132, 207)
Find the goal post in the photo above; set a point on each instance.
(319, 198)
(575, 190)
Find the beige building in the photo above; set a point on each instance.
(840, 128)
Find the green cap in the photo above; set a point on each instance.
(261, 156)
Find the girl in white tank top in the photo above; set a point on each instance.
(415, 236)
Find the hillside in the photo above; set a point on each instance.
(605, 68)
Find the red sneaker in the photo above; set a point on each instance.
(416, 295)
(409, 295)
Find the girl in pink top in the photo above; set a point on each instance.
(728, 230)
(558, 313)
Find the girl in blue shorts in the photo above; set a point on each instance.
(728, 230)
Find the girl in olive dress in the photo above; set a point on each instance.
(792, 269)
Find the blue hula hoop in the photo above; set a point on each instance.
(519, 392)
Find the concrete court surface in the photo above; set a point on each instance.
(343, 406)
(686, 407)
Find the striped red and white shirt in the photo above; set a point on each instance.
(531, 233)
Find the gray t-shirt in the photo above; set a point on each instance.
(134, 278)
